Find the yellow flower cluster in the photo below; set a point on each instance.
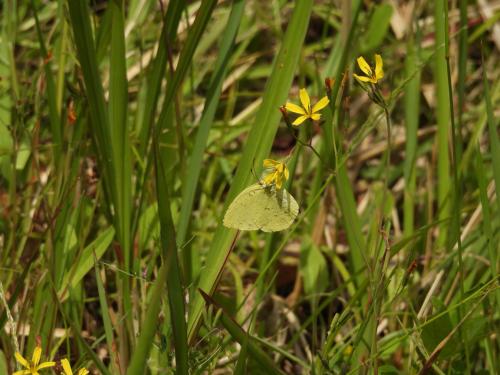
(276, 173)
(33, 366)
(306, 111)
(372, 75)
(68, 371)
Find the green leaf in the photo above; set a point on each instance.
(377, 29)
(435, 331)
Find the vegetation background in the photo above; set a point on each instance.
(126, 129)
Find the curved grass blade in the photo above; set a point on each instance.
(196, 159)
(257, 147)
(170, 273)
(148, 329)
(79, 269)
(235, 330)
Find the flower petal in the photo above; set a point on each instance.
(286, 173)
(45, 365)
(321, 104)
(279, 183)
(21, 360)
(37, 353)
(270, 163)
(66, 366)
(22, 372)
(304, 99)
(363, 65)
(269, 178)
(295, 108)
(379, 67)
(363, 78)
(315, 116)
(83, 371)
(300, 120)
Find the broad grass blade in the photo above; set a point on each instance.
(257, 147)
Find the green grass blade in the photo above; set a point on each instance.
(157, 70)
(343, 49)
(168, 273)
(148, 329)
(196, 160)
(257, 147)
(495, 161)
(344, 190)
(456, 195)
(412, 111)
(120, 147)
(174, 285)
(462, 73)
(82, 33)
(108, 327)
(103, 35)
(241, 365)
(493, 135)
(185, 59)
(147, 110)
(442, 115)
(487, 218)
(168, 127)
(54, 115)
(84, 264)
(86, 51)
(352, 223)
(110, 131)
(76, 330)
(261, 358)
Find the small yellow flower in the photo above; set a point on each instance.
(33, 366)
(372, 76)
(277, 173)
(306, 111)
(67, 368)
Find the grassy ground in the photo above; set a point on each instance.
(128, 128)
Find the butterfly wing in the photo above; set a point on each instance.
(243, 213)
(280, 212)
(263, 208)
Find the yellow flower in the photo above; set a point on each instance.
(306, 111)
(33, 366)
(67, 368)
(277, 173)
(371, 76)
